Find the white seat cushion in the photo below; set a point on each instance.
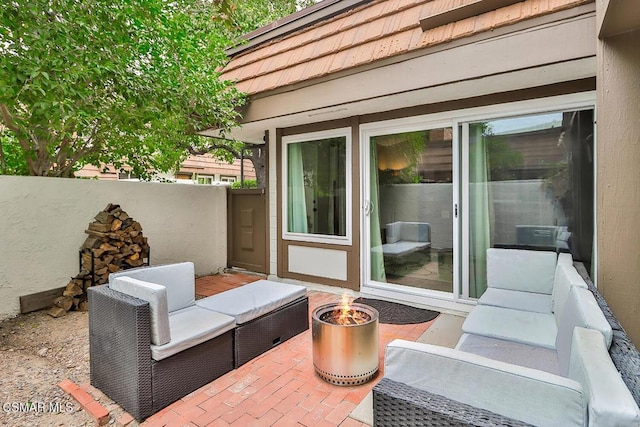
(253, 300)
(192, 326)
(519, 354)
(517, 300)
(403, 248)
(521, 270)
(179, 279)
(610, 401)
(525, 327)
(156, 296)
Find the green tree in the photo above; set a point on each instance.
(122, 82)
(242, 17)
(12, 159)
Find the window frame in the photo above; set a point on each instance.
(345, 240)
(228, 178)
(207, 179)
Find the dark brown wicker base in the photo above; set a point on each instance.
(184, 372)
(121, 363)
(259, 335)
(396, 404)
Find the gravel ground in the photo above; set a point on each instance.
(37, 352)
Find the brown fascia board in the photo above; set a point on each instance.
(307, 17)
(459, 13)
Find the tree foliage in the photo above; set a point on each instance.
(111, 82)
(123, 82)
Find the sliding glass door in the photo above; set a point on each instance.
(435, 198)
(409, 209)
(529, 185)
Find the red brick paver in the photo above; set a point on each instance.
(98, 412)
(279, 387)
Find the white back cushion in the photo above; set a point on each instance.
(529, 395)
(565, 259)
(580, 310)
(408, 232)
(566, 277)
(610, 401)
(179, 279)
(521, 270)
(393, 232)
(415, 232)
(156, 296)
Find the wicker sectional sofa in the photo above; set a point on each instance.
(152, 343)
(559, 358)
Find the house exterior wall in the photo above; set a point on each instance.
(193, 166)
(44, 221)
(345, 271)
(550, 55)
(618, 182)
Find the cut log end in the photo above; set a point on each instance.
(115, 242)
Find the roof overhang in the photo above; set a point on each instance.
(617, 17)
(458, 70)
(303, 18)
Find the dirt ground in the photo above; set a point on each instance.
(37, 352)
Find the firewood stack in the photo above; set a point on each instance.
(115, 242)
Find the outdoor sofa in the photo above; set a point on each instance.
(404, 238)
(533, 355)
(151, 342)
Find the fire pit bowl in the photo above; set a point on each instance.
(345, 343)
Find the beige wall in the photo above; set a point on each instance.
(618, 177)
(43, 221)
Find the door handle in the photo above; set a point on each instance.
(368, 207)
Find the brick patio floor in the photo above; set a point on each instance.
(279, 387)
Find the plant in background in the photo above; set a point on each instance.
(248, 183)
(12, 159)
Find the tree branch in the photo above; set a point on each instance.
(216, 146)
(7, 119)
(3, 163)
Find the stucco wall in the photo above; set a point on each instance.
(43, 221)
(514, 203)
(618, 183)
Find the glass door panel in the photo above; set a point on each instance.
(410, 209)
(530, 186)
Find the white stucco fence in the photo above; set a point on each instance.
(42, 223)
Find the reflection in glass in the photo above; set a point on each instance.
(316, 190)
(530, 187)
(410, 214)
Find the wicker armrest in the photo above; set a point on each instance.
(397, 404)
(119, 346)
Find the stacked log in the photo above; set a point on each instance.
(115, 242)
